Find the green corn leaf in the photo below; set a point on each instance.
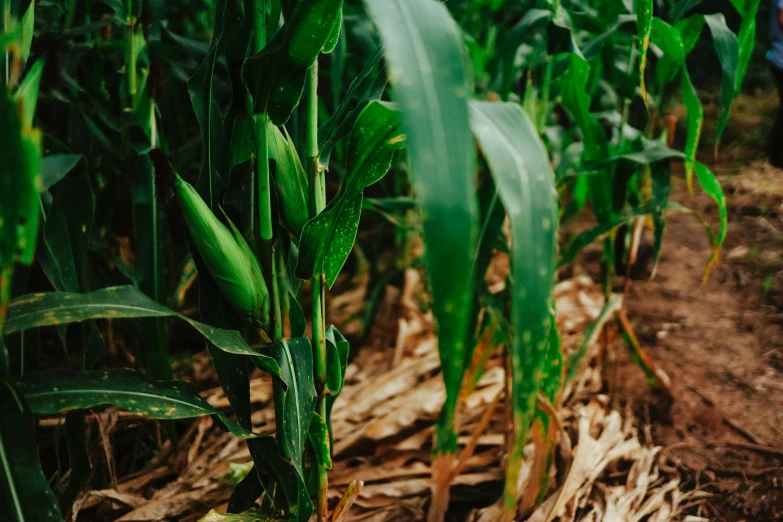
(576, 99)
(56, 166)
(682, 7)
(27, 30)
(661, 188)
(610, 307)
(644, 18)
(695, 123)
(20, 183)
(319, 440)
(24, 491)
(602, 230)
(328, 238)
(669, 40)
(229, 14)
(429, 73)
(279, 475)
(290, 179)
(295, 359)
(337, 353)
(57, 391)
(368, 85)
(727, 49)
(745, 41)
(312, 31)
(27, 93)
(56, 308)
(276, 75)
(336, 361)
(646, 152)
(69, 222)
(526, 184)
(712, 187)
(334, 36)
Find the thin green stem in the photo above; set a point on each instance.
(317, 192)
(6, 280)
(132, 58)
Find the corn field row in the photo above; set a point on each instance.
(233, 141)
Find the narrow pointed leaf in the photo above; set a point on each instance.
(429, 73)
(328, 238)
(644, 17)
(526, 184)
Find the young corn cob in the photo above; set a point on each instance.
(226, 254)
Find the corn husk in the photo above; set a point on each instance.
(226, 254)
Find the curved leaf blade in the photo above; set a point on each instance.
(117, 302)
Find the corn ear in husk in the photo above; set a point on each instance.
(226, 254)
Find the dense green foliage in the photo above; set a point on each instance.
(241, 112)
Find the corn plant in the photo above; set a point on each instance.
(212, 119)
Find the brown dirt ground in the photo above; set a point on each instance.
(722, 345)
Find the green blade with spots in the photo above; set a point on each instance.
(58, 391)
(644, 18)
(118, 302)
(526, 184)
(328, 238)
(429, 73)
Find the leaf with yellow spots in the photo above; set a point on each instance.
(25, 495)
(58, 391)
(644, 17)
(328, 238)
(117, 302)
(526, 184)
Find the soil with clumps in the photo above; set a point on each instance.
(722, 346)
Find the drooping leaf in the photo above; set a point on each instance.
(428, 69)
(526, 185)
(55, 308)
(58, 391)
(328, 238)
(24, 491)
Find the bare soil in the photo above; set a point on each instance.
(721, 343)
